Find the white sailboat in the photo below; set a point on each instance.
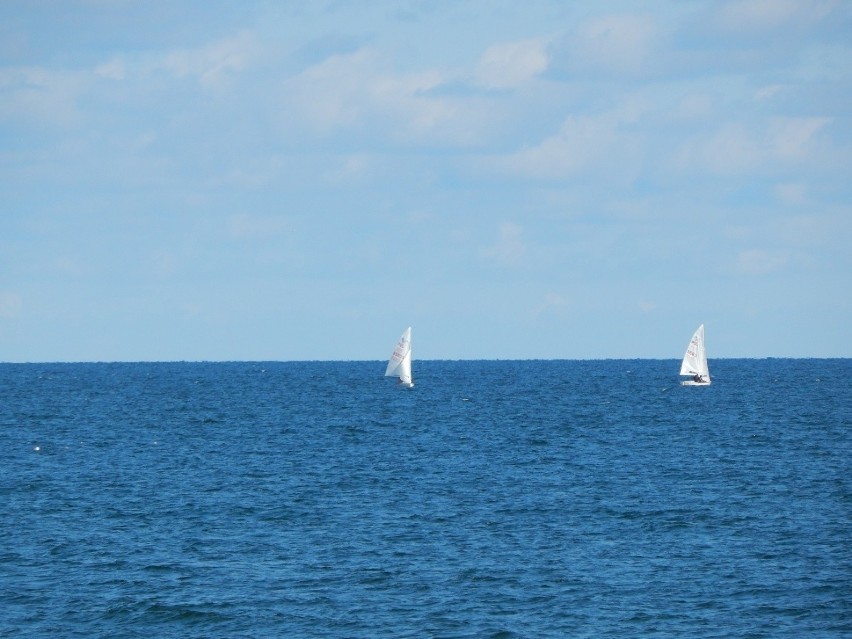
(399, 364)
(695, 361)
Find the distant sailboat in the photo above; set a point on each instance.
(695, 361)
(400, 362)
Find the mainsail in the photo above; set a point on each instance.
(695, 359)
(399, 364)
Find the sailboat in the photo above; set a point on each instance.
(695, 361)
(400, 361)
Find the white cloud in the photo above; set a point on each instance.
(357, 93)
(768, 92)
(51, 95)
(164, 263)
(583, 143)
(249, 226)
(789, 138)
(553, 302)
(39, 95)
(616, 43)
(694, 106)
(730, 149)
(750, 15)
(343, 90)
(512, 64)
(350, 169)
(760, 262)
(510, 247)
(212, 64)
(736, 147)
(813, 230)
(112, 70)
(791, 192)
(11, 304)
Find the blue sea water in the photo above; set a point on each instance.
(496, 499)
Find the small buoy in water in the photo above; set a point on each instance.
(37, 448)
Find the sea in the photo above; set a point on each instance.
(495, 499)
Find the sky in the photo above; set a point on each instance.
(280, 180)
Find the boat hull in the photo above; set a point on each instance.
(694, 383)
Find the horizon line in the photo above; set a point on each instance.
(438, 359)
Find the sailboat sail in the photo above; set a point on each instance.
(399, 364)
(695, 359)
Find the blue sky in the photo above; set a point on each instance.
(541, 179)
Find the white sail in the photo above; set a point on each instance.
(399, 364)
(695, 359)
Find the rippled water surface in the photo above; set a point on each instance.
(495, 499)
